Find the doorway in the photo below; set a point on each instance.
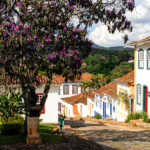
(145, 99)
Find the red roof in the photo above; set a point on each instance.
(61, 79)
(109, 89)
(80, 98)
(128, 78)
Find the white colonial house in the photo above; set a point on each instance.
(125, 96)
(142, 75)
(105, 98)
(60, 89)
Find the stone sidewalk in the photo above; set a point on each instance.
(111, 136)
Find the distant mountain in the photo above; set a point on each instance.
(115, 48)
(96, 46)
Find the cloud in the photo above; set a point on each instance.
(140, 21)
(102, 37)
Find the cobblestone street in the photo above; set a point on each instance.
(89, 135)
(112, 136)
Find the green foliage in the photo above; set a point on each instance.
(103, 61)
(10, 105)
(124, 55)
(96, 82)
(134, 116)
(121, 70)
(145, 118)
(12, 127)
(124, 98)
(46, 136)
(46, 128)
(97, 116)
(8, 140)
(138, 115)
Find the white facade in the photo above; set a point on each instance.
(106, 106)
(51, 105)
(54, 98)
(142, 78)
(70, 85)
(122, 112)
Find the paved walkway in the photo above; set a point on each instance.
(111, 136)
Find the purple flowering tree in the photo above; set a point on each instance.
(40, 34)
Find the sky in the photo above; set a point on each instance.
(140, 19)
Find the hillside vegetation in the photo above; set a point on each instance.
(112, 61)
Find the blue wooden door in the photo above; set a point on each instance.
(110, 109)
(104, 110)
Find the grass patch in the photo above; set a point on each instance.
(7, 140)
(46, 134)
(45, 131)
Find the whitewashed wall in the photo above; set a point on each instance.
(69, 108)
(121, 112)
(143, 77)
(70, 89)
(51, 105)
(90, 103)
(99, 99)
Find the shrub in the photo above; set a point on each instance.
(13, 126)
(97, 116)
(145, 118)
(134, 116)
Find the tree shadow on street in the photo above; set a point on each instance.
(80, 123)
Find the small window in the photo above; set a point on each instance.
(139, 94)
(141, 59)
(59, 107)
(114, 109)
(148, 58)
(74, 89)
(40, 95)
(66, 89)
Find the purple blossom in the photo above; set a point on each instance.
(72, 7)
(16, 27)
(50, 57)
(64, 29)
(27, 27)
(76, 29)
(30, 39)
(4, 33)
(59, 36)
(35, 36)
(36, 13)
(131, 2)
(80, 71)
(70, 32)
(52, 2)
(18, 3)
(75, 57)
(40, 45)
(47, 40)
(21, 31)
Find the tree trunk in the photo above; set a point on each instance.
(25, 125)
(32, 114)
(33, 136)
